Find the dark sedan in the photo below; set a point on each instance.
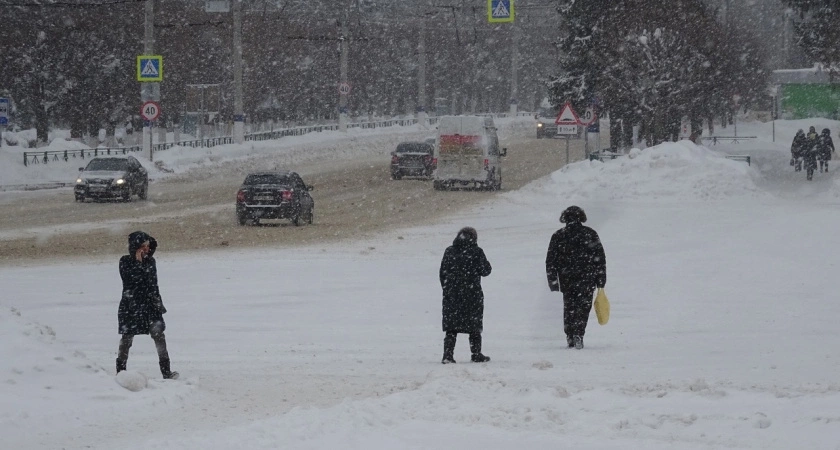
(274, 195)
(413, 159)
(112, 177)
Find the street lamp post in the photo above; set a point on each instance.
(238, 108)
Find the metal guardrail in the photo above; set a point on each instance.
(65, 155)
(744, 158)
(193, 143)
(604, 155)
(733, 139)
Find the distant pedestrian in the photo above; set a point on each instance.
(575, 265)
(797, 149)
(810, 152)
(461, 269)
(826, 148)
(141, 307)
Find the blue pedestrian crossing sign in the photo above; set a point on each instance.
(4, 111)
(150, 68)
(499, 11)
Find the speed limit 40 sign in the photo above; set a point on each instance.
(150, 111)
(588, 117)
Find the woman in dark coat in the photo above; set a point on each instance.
(575, 265)
(796, 150)
(461, 269)
(141, 307)
(826, 149)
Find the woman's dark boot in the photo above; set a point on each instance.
(166, 372)
(475, 348)
(121, 365)
(449, 348)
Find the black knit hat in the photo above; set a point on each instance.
(573, 214)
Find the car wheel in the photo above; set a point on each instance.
(396, 175)
(296, 219)
(144, 192)
(311, 216)
(242, 219)
(80, 198)
(126, 194)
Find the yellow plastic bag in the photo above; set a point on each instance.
(602, 307)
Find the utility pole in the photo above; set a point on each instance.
(422, 117)
(345, 49)
(514, 72)
(238, 109)
(149, 91)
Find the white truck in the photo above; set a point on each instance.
(467, 153)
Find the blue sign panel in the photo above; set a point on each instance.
(499, 11)
(4, 111)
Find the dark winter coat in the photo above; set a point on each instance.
(575, 259)
(811, 150)
(825, 146)
(141, 306)
(461, 269)
(797, 148)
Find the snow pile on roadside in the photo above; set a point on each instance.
(47, 380)
(669, 171)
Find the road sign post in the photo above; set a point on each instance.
(567, 123)
(150, 111)
(588, 117)
(4, 116)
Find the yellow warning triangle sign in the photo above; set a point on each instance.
(567, 116)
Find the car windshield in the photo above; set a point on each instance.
(107, 164)
(268, 178)
(414, 147)
(548, 112)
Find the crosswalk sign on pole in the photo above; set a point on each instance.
(499, 11)
(150, 68)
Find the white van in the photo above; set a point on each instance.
(467, 153)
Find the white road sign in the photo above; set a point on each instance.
(344, 88)
(150, 111)
(588, 117)
(567, 129)
(567, 116)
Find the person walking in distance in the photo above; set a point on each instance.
(810, 152)
(461, 269)
(796, 150)
(575, 265)
(141, 307)
(826, 146)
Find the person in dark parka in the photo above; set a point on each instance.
(810, 150)
(141, 307)
(826, 148)
(461, 269)
(797, 150)
(575, 265)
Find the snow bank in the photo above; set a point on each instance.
(671, 171)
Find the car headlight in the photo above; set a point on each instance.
(80, 181)
(120, 181)
(539, 125)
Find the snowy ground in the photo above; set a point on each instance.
(723, 330)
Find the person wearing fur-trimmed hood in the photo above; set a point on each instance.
(461, 269)
(141, 306)
(575, 265)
